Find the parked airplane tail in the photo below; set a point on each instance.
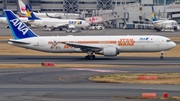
(153, 15)
(22, 7)
(18, 28)
(30, 14)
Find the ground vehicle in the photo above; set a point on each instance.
(73, 30)
(96, 27)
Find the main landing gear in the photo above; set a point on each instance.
(162, 57)
(90, 56)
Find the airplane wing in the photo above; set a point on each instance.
(58, 17)
(84, 47)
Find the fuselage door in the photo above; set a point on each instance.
(157, 43)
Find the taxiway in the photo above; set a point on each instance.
(72, 84)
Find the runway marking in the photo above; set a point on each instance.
(98, 70)
(60, 79)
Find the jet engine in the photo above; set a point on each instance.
(176, 28)
(109, 51)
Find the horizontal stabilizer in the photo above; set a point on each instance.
(18, 42)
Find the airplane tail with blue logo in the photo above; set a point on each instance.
(153, 15)
(18, 28)
(30, 14)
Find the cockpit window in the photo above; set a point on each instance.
(168, 41)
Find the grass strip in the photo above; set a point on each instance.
(138, 97)
(162, 78)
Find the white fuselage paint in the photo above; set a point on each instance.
(64, 15)
(165, 24)
(152, 44)
(4, 20)
(53, 22)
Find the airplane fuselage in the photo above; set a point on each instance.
(165, 24)
(52, 22)
(4, 20)
(55, 44)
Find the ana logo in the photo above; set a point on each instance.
(20, 26)
(143, 38)
(23, 9)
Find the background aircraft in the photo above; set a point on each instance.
(53, 23)
(4, 21)
(164, 25)
(104, 45)
(22, 8)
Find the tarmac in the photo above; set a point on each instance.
(72, 84)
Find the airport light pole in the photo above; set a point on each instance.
(165, 9)
(116, 4)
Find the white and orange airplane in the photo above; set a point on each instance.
(104, 45)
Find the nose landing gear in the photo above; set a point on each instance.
(162, 57)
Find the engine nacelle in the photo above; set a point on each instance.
(110, 51)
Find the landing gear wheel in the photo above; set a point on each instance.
(87, 57)
(161, 57)
(91, 57)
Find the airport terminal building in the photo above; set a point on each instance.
(134, 11)
(71, 5)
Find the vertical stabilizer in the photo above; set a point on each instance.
(22, 7)
(30, 14)
(18, 28)
(153, 15)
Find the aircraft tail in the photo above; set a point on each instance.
(30, 14)
(153, 15)
(22, 7)
(18, 28)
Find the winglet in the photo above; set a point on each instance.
(18, 28)
(30, 14)
(153, 15)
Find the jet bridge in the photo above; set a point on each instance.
(110, 18)
(114, 16)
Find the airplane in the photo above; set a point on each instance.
(22, 8)
(93, 20)
(4, 21)
(165, 24)
(105, 45)
(53, 23)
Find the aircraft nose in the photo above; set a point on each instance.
(173, 44)
(88, 24)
